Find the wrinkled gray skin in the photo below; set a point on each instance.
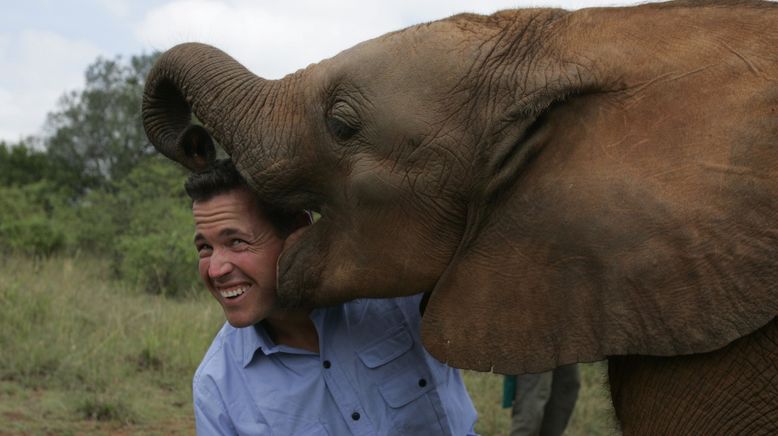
(568, 187)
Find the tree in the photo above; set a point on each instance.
(21, 165)
(99, 188)
(96, 135)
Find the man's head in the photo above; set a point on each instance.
(239, 240)
(222, 177)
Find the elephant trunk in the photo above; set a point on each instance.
(198, 78)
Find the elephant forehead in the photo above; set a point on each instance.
(418, 55)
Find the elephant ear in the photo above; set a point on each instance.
(645, 223)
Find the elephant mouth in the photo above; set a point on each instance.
(292, 269)
(295, 237)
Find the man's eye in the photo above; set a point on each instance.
(237, 242)
(203, 249)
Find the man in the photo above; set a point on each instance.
(357, 368)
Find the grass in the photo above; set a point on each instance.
(82, 354)
(593, 414)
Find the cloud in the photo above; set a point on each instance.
(36, 68)
(272, 38)
(276, 38)
(117, 8)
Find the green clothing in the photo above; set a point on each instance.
(508, 391)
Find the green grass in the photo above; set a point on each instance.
(593, 414)
(83, 354)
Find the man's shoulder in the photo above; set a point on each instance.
(215, 359)
(408, 305)
(406, 302)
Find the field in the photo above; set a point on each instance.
(83, 354)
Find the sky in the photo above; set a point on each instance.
(46, 45)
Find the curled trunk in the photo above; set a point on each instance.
(200, 79)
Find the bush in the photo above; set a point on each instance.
(161, 262)
(25, 223)
(154, 250)
(92, 224)
(141, 223)
(32, 236)
(105, 407)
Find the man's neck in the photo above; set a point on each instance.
(294, 328)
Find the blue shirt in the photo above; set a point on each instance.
(371, 377)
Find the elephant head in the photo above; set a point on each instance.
(567, 185)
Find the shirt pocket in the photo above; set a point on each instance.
(404, 382)
(399, 392)
(414, 405)
(389, 347)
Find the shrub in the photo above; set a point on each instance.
(154, 250)
(105, 407)
(25, 223)
(162, 262)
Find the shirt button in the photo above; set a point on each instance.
(326, 364)
(422, 382)
(355, 416)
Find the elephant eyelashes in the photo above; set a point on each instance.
(341, 130)
(343, 121)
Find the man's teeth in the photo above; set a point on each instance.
(233, 293)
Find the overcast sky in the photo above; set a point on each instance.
(46, 45)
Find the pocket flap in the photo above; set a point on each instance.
(403, 390)
(391, 346)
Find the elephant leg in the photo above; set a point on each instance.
(733, 390)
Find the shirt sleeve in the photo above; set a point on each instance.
(210, 414)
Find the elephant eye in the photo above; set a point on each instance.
(343, 121)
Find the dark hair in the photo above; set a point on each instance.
(222, 177)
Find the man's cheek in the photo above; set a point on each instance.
(202, 267)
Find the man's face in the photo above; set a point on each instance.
(238, 252)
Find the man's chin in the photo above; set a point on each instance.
(240, 320)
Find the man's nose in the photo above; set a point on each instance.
(219, 266)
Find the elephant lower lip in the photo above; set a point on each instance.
(294, 237)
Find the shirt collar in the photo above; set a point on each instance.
(253, 339)
(256, 338)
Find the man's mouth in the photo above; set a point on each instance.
(233, 293)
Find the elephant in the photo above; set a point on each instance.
(567, 186)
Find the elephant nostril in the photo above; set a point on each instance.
(198, 146)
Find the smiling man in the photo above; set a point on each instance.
(356, 368)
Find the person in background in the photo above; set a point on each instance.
(542, 403)
(356, 368)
